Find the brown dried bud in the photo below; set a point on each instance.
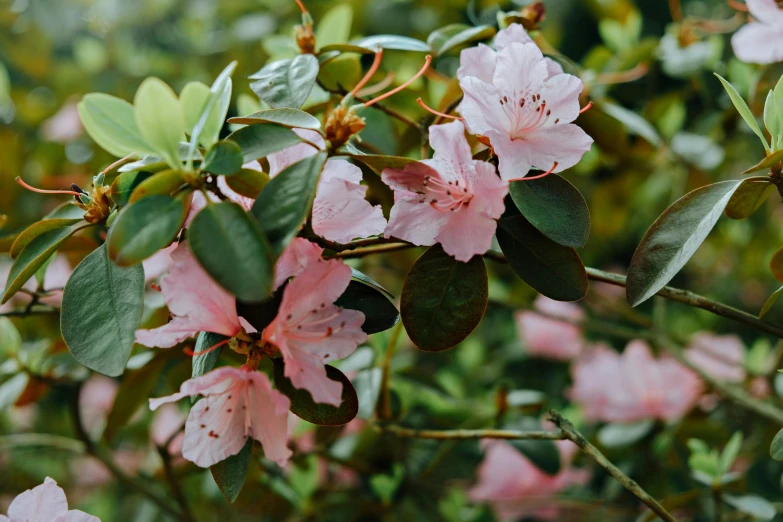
(341, 124)
(100, 206)
(533, 15)
(305, 39)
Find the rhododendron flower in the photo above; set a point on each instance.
(516, 488)
(761, 41)
(96, 399)
(64, 126)
(340, 212)
(544, 335)
(198, 202)
(524, 112)
(451, 199)
(296, 257)
(44, 503)
(196, 302)
(238, 403)
(633, 386)
(721, 356)
(310, 330)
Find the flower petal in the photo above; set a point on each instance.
(478, 62)
(267, 418)
(758, 43)
(279, 161)
(43, 503)
(215, 429)
(297, 256)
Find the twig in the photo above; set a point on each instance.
(25, 313)
(410, 433)
(379, 249)
(384, 406)
(176, 490)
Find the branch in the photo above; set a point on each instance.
(410, 433)
(25, 313)
(176, 490)
(379, 249)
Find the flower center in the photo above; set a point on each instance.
(314, 325)
(444, 196)
(526, 114)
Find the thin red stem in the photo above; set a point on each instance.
(373, 69)
(42, 191)
(436, 113)
(191, 353)
(545, 174)
(301, 6)
(586, 108)
(427, 62)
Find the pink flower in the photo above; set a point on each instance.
(633, 386)
(196, 302)
(340, 212)
(158, 264)
(238, 403)
(546, 336)
(451, 199)
(310, 330)
(167, 422)
(721, 356)
(761, 41)
(64, 126)
(516, 488)
(44, 503)
(198, 202)
(297, 256)
(57, 274)
(524, 112)
(96, 399)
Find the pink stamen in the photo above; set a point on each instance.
(545, 174)
(415, 77)
(191, 353)
(586, 108)
(373, 69)
(436, 113)
(42, 191)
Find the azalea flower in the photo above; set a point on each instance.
(544, 335)
(451, 199)
(340, 212)
(198, 202)
(633, 386)
(196, 302)
(310, 330)
(761, 41)
(296, 257)
(721, 356)
(238, 403)
(44, 503)
(516, 488)
(512, 99)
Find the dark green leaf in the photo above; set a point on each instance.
(674, 237)
(303, 406)
(293, 118)
(260, 315)
(749, 196)
(144, 227)
(102, 307)
(224, 158)
(443, 299)
(258, 141)
(776, 449)
(542, 453)
(125, 184)
(372, 300)
(37, 229)
(248, 182)
(229, 475)
(555, 207)
(390, 41)
(286, 83)
(233, 249)
(285, 202)
(203, 364)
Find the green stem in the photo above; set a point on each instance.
(384, 406)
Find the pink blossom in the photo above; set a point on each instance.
(238, 403)
(544, 335)
(451, 199)
(158, 264)
(721, 356)
(310, 330)
(167, 422)
(633, 386)
(516, 488)
(297, 256)
(524, 111)
(761, 40)
(196, 302)
(198, 202)
(64, 126)
(96, 399)
(57, 274)
(44, 503)
(340, 210)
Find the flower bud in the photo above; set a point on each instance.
(533, 15)
(341, 124)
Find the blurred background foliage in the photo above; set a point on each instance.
(662, 126)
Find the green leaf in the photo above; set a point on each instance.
(776, 448)
(674, 237)
(285, 202)
(10, 338)
(378, 162)
(770, 161)
(776, 264)
(303, 406)
(260, 315)
(770, 302)
(193, 97)
(757, 507)
(145, 227)
(342, 71)
(248, 182)
(224, 159)
(35, 254)
(233, 249)
(101, 310)
(730, 452)
(12, 389)
(368, 388)
(258, 141)
(633, 122)
(553, 270)
(111, 123)
(286, 83)
(445, 39)
(159, 119)
(203, 364)
(748, 198)
(374, 301)
(229, 475)
(161, 183)
(617, 435)
(125, 184)
(743, 109)
(213, 114)
(334, 26)
(390, 41)
(443, 300)
(292, 118)
(36, 229)
(555, 207)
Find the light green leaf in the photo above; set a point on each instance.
(12, 389)
(743, 109)
(334, 26)
(10, 338)
(730, 452)
(213, 114)
(159, 119)
(390, 41)
(633, 122)
(615, 434)
(111, 123)
(193, 97)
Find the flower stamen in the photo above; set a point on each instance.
(415, 77)
(191, 353)
(42, 191)
(586, 108)
(373, 69)
(545, 174)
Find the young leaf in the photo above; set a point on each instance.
(757, 507)
(111, 123)
(776, 264)
(730, 452)
(159, 119)
(286, 83)
(12, 389)
(743, 109)
(292, 118)
(193, 97)
(555, 207)
(224, 159)
(213, 113)
(443, 300)
(205, 363)
(748, 197)
(374, 301)
(258, 141)
(229, 475)
(769, 162)
(770, 302)
(145, 227)
(674, 237)
(101, 310)
(233, 249)
(303, 406)
(334, 26)
(248, 182)
(285, 202)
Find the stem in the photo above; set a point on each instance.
(384, 407)
(25, 313)
(717, 504)
(176, 490)
(118, 163)
(379, 249)
(410, 433)
(676, 10)
(569, 432)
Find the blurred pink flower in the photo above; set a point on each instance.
(524, 111)
(545, 336)
(57, 274)
(516, 488)
(198, 202)
(238, 403)
(166, 423)
(44, 503)
(451, 199)
(310, 330)
(64, 126)
(761, 40)
(96, 399)
(760, 387)
(633, 386)
(721, 356)
(158, 264)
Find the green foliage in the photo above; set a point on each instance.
(286, 83)
(160, 120)
(230, 474)
(374, 301)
